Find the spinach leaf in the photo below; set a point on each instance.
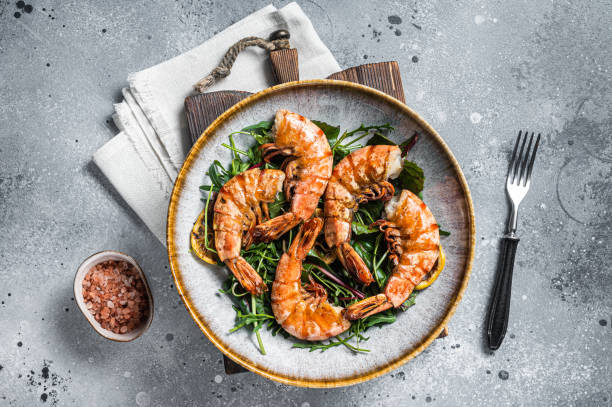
(379, 139)
(412, 177)
(443, 232)
(364, 250)
(259, 128)
(331, 132)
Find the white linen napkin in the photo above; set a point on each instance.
(143, 160)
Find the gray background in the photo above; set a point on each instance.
(478, 72)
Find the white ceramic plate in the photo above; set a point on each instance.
(446, 193)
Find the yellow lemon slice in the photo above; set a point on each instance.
(198, 241)
(433, 274)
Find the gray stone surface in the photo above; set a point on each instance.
(478, 72)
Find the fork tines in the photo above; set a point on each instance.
(522, 164)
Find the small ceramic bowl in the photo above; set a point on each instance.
(78, 295)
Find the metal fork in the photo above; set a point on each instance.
(517, 185)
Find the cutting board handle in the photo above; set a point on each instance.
(285, 65)
(284, 62)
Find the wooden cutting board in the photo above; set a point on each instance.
(204, 108)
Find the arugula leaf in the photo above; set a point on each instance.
(331, 132)
(248, 318)
(262, 139)
(317, 260)
(312, 346)
(379, 256)
(271, 166)
(335, 287)
(409, 302)
(412, 177)
(341, 151)
(218, 175)
(383, 318)
(259, 132)
(238, 166)
(276, 207)
(366, 130)
(341, 148)
(360, 228)
(254, 155)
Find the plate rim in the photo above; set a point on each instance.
(248, 364)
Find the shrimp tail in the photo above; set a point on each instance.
(367, 307)
(274, 228)
(305, 239)
(246, 275)
(354, 263)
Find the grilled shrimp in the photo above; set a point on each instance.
(360, 177)
(413, 240)
(241, 204)
(308, 167)
(303, 311)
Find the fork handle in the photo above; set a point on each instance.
(500, 304)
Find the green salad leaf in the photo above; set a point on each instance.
(382, 318)
(344, 145)
(331, 132)
(410, 301)
(276, 207)
(359, 228)
(443, 232)
(412, 177)
(371, 211)
(262, 127)
(380, 139)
